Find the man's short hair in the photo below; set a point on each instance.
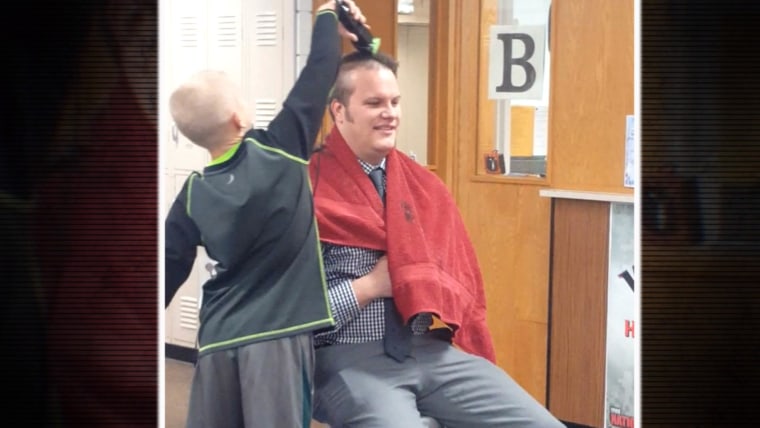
(359, 59)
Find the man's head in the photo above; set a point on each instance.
(365, 104)
(209, 110)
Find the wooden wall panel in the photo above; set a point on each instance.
(382, 18)
(577, 352)
(591, 93)
(509, 225)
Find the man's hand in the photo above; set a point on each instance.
(374, 285)
(355, 12)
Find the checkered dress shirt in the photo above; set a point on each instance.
(355, 324)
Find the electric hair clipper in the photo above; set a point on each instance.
(365, 41)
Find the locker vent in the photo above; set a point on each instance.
(266, 29)
(227, 31)
(265, 112)
(189, 32)
(188, 312)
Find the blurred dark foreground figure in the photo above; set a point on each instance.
(95, 203)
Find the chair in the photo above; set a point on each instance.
(431, 423)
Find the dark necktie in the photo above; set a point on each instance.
(397, 340)
(377, 175)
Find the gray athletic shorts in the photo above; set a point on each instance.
(262, 385)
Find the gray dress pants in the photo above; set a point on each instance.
(359, 386)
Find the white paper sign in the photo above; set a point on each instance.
(516, 62)
(540, 130)
(629, 180)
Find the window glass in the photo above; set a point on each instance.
(515, 91)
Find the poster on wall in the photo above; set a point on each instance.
(621, 320)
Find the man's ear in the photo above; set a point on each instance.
(336, 110)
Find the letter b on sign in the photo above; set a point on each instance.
(516, 62)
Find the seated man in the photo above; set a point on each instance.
(393, 260)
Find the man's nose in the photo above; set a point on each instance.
(389, 112)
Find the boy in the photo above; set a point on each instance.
(252, 210)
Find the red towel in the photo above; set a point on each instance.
(431, 261)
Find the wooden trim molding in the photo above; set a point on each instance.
(443, 115)
(587, 196)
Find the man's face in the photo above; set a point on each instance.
(370, 119)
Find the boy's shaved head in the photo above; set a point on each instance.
(203, 107)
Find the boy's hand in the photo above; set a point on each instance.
(355, 12)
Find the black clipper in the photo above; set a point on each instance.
(365, 41)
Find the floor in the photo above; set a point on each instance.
(179, 375)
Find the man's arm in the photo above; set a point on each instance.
(374, 285)
(348, 297)
(181, 248)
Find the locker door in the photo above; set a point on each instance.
(264, 38)
(187, 54)
(225, 37)
(182, 315)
